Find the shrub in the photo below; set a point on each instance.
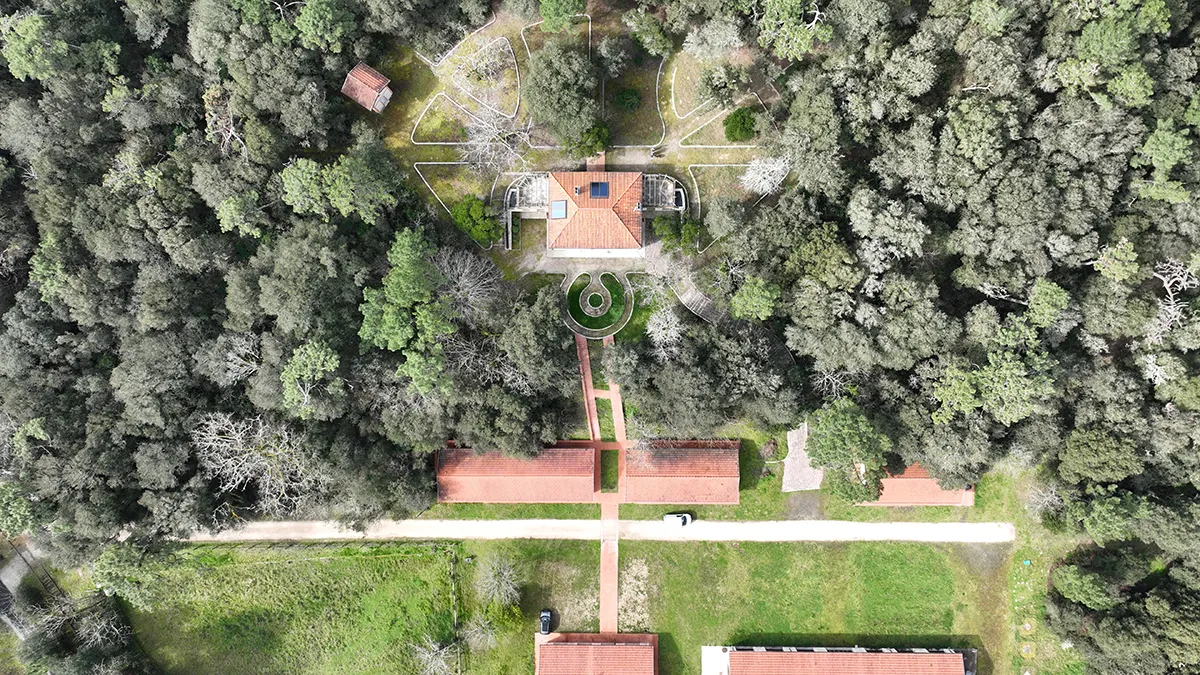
(593, 141)
(628, 100)
(740, 125)
(471, 215)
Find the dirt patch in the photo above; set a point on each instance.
(805, 505)
(577, 607)
(633, 603)
(985, 558)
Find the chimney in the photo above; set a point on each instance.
(596, 163)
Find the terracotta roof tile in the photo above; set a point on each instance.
(557, 475)
(363, 84)
(844, 663)
(679, 472)
(596, 222)
(914, 487)
(570, 658)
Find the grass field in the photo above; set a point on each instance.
(818, 595)
(596, 356)
(316, 610)
(308, 611)
(604, 411)
(610, 470)
(640, 126)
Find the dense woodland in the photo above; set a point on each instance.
(221, 297)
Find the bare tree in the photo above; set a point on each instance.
(665, 330)
(101, 625)
(58, 612)
(479, 633)
(221, 125)
(270, 456)
(496, 581)
(241, 356)
(433, 658)
(1176, 278)
(765, 175)
(1044, 499)
(494, 143)
(484, 361)
(470, 281)
(832, 383)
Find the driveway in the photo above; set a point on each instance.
(643, 530)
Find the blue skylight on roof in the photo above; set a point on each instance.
(599, 190)
(558, 209)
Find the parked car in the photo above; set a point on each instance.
(680, 519)
(545, 626)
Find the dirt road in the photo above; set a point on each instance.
(650, 530)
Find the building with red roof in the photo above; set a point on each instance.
(683, 472)
(555, 476)
(596, 654)
(368, 87)
(594, 211)
(836, 661)
(915, 487)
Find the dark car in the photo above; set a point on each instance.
(545, 622)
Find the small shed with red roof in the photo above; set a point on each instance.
(836, 661)
(683, 472)
(596, 654)
(555, 476)
(915, 487)
(368, 87)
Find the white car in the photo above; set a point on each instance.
(680, 519)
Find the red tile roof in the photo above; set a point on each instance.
(571, 658)
(844, 663)
(557, 475)
(914, 487)
(364, 84)
(683, 472)
(603, 222)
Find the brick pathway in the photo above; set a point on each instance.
(589, 393)
(609, 527)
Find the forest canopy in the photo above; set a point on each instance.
(978, 242)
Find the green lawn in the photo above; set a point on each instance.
(610, 470)
(318, 610)
(596, 356)
(898, 595)
(615, 290)
(640, 126)
(643, 308)
(299, 611)
(608, 430)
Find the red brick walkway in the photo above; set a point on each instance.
(608, 568)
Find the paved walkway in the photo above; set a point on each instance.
(609, 529)
(589, 394)
(642, 530)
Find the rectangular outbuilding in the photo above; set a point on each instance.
(683, 472)
(555, 476)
